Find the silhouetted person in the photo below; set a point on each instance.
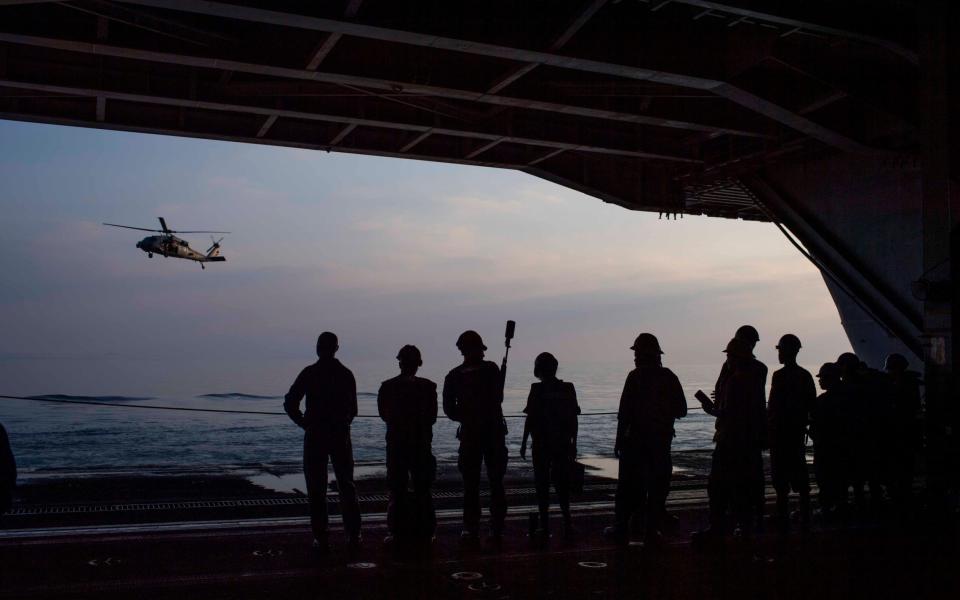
(792, 396)
(8, 472)
(830, 429)
(870, 414)
(331, 406)
(551, 411)
(758, 374)
(473, 397)
(651, 401)
(408, 405)
(740, 434)
(907, 429)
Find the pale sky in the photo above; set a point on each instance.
(382, 251)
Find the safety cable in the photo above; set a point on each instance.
(229, 411)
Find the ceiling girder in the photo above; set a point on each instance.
(368, 82)
(310, 116)
(727, 90)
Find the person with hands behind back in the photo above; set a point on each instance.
(331, 406)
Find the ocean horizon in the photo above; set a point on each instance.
(63, 437)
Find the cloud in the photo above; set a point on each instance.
(383, 252)
(474, 206)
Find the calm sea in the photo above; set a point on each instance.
(73, 438)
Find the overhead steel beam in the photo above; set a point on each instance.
(345, 132)
(636, 199)
(750, 101)
(484, 148)
(267, 124)
(353, 7)
(310, 116)
(799, 24)
(367, 82)
(561, 41)
(509, 78)
(107, 11)
(890, 90)
(250, 140)
(793, 120)
(546, 156)
(410, 145)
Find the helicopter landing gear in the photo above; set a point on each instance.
(149, 254)
(202, 267)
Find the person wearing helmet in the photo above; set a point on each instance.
(792, 394)
(870, 415)
(551, 411)
(331, 406)
(740, 430)
(906, 439)
(408, 405)
(758, 374)
(473, 397)
(651, 401)
(829, 429)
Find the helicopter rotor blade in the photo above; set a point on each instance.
(129, 227)
(172, 231)
(216, 244)
(163, 223)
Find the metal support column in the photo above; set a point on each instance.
(939, 214)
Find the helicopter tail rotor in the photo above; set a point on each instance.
(214, 249)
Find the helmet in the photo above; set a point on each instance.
(789, 343)
(646, 343)
(327, 343)
(848, 361)
(829, 370)
(410, 354)
(545, 364)
(747, 333)
(896, 363)
(470, 340)
(738, 347)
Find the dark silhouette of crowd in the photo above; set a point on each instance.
(865, 428)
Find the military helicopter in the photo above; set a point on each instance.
(171, 246)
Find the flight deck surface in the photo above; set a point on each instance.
(267, 557)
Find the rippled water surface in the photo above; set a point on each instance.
(60, 437)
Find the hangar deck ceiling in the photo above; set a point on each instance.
(659, 105)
